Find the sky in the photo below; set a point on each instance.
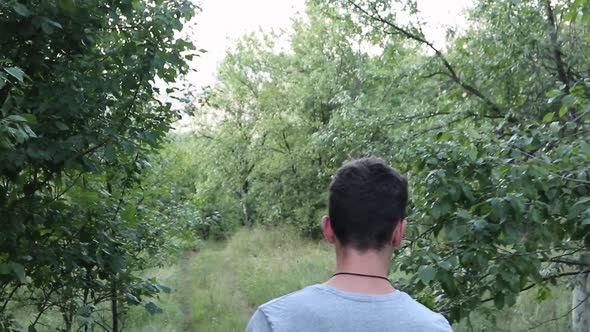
(222, 22)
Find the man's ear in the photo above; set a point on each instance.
(398, 233)
(327, 230)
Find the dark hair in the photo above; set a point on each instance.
(367, 200)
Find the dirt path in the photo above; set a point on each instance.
(245, 307)
(213, 279)
(187, 310)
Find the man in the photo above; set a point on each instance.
(367, 201)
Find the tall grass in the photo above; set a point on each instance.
(218, 288)
(552, 315)
(259, 264)
(217, 304)
(231, 280)
(172, 319)
(273, 262)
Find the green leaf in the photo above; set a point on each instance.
(152, 308)
(109, 152)
(164, 288)
(67, 5)
(543, 293)
(21, 9)
(16, 118)
(562, 111)
(19, 272)
(499, 300)
(479, 225)
(61, 126)
(15, 72)
(30, 118)
(53, 23)
(132, 299)
(583, 200)
(445, 265)
(5, 269)
(473, 153)
(569, 100)
(47, 28)
(464, 214)
(554, 93)
(548, 117)
(426, 274)
(570, 16)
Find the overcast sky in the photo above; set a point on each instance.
(222, 22)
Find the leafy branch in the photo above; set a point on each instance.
(412, 36)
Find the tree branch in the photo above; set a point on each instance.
(552, 277)
(568, 262)
(557, 54)
(409, 35)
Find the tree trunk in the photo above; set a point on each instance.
(67, 321)
(579, 298)
(245, 214)
(114, 307)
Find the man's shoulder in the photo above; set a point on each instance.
(423, 316)
(319, 304)
(293, 298)
(415, 305)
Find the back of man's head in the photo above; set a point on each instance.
(367, 199)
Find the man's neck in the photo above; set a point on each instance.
(371, 262)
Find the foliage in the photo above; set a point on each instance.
(492, 132)
(78, 121)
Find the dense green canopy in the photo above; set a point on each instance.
(78, 119)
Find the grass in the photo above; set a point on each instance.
(217, 304)
(274, 262)
(224, 283)
(230, 280)
(173, 317)
(526, 315)
(218, 288)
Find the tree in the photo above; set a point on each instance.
(79, 119)
(274, 105)
(501, 182)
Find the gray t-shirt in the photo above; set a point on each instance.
(324, 308)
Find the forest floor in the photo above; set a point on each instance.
(186, 282)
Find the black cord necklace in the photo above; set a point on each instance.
(361, 275)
